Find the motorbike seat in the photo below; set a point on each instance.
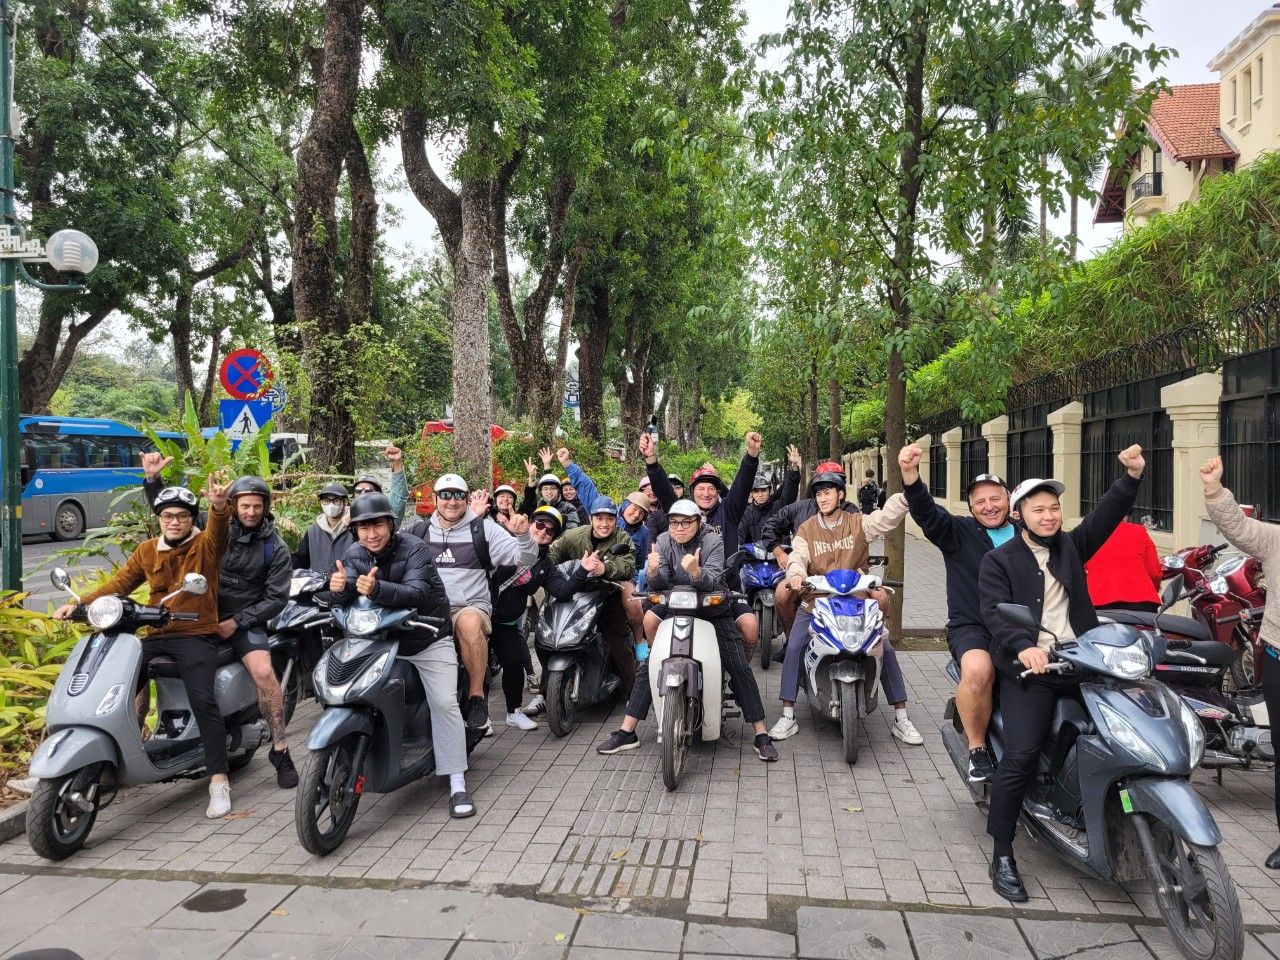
(1183, 626)
(163, 665)
(1215, 653)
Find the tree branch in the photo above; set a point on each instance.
(444, 205)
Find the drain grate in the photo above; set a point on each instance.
(622, 867)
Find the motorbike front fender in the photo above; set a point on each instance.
(680, 672)
(335, 724)
(561, 661)
(1176, 803)
(845, 671)
(72, 749)
(766, 598)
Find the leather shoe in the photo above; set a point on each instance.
(1273, 862)
(1005, 880)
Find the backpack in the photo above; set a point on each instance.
(481, 544)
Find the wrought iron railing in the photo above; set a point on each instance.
(973, 453)
(1148, 185)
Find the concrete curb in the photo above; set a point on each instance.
(13, 821)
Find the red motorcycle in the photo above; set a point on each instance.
(1225, 600)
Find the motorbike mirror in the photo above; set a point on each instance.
(60, 578)
(195, 583)
(1172, 591)
(1158, 645)
(1017, 614)
(619, 550)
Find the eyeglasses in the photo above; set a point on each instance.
(175, 516)
(451, 495)
(332, 500)
(682, 523)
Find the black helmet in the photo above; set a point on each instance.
(334, 490)
(827, 474)
(176, 497)
(371, 506)
(249, 485)
(372, 481)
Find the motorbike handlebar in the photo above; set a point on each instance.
(424, 625)
(1057, 666)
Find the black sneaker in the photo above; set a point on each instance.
(765, 749)
(286, 773)
(618, 741)
(981, 769)
(476, 713)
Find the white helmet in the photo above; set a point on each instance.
(450, 481)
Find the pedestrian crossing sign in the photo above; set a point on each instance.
(241, 419)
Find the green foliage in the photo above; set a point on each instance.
(33, 648)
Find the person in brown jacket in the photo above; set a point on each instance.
(162, 563)
(1261, 540)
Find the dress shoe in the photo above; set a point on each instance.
(1005, 880)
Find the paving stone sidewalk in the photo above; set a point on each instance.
(102, 919)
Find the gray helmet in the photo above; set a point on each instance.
(334, 490)
(762, 482)
(244, 486)
(371, 506)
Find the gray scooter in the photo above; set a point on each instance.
(93, 744)
(1114, 795)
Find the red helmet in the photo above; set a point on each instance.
(707, 474)
(827, 473)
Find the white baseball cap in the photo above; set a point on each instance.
(1030, 486)
(450, 481)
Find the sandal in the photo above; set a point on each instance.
(460, 805)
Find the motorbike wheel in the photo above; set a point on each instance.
(676, 711)
(562, 712)
(764, 615)
(327, 798)
(55, 828)
(1243, 669)
(850, 722)
(1198, 901)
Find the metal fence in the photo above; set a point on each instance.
(935, 427)
(973, 453)
(1030, 442)
(1249, 430)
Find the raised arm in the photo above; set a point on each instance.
(658, 479)
(1100, 522)
(879, 522)
(1254, 537)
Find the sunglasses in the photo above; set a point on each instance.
(451, 495)
(366, 489)
(545, 525)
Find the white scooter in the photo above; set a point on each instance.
(846, 648)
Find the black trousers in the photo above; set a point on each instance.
(508, 643)
(733, 658)
(197, 660)
(1271, 696)
(1027, 709)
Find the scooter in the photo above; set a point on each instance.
(690, 691)
(300, 634)
(93, 744)
(843, 661)
(760, 573)
(580, 671)
(1113, 796)
(375, 730)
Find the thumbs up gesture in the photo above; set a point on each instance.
(654, 559)
(692, 563)
(367, 583)
(338, 579)
(593, 564)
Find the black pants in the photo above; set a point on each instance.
(508, 643)
(1271, 695)
(616, 630)
(733, 658)
(197, 660)
(1027, 709)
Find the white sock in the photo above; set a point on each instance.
(789, 712)
(457, 782)
(899, 713)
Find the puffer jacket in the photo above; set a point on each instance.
(1256, 538)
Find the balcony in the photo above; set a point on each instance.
(1148, 185)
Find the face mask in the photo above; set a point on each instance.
(333, 510)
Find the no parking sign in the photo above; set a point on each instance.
(246, 374)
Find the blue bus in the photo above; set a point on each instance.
(71, 469)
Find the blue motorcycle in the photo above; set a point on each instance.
(760, 574)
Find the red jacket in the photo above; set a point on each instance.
(1126, 569)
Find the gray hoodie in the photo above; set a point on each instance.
(671, 571)
(466, 581)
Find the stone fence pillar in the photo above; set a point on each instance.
(996, 433)
(1066, 424)
(953, 493)
(1192, 405)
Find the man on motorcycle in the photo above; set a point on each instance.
(466, 548)
(162, 563)
(592, 545)
(964, 541)
(691, 555)
(764, 503)
(395, 570)
(253, 587)
(837, 539)
(327, 539)
(1043, 568)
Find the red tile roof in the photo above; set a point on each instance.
(1185, 121)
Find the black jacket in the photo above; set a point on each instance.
(786, 521)
(571, 512)
(543, 575)
(256, 569)
(963, 542)
(407, 577)
(728, 512)
(751, 527)
(1010, 574)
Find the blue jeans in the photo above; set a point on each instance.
(895, 687)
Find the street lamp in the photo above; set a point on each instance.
(68, 251)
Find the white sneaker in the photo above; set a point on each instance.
(219, 799)
(906, 731)
(520, 721)
(784, 728)
(536, 706)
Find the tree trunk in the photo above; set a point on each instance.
(1044, 215)
(205, 409)
(811, 415)
(693, 433)
(180, 334)
(835, 441)
(42, 367)
(1073, 239)
(472, 444)
(592, 343)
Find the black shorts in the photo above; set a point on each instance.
(246, 640)
(740, 606)
(960, 640)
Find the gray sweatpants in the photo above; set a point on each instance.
(438, 667)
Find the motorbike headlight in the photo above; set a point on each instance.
(1129, 662)
(105, 612)
(1218, 585)
(1123, 733)
(682, 600)
(1173, 562)
(110, 701)
(363, 622)
(370, 675)
(1194, 730)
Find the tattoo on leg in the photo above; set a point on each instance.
(271, 706)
